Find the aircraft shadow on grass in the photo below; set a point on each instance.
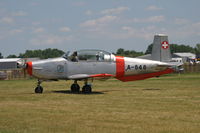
(151, 89)
(78, 93)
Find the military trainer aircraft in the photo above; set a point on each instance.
(91, 64)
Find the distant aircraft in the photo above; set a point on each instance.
(91, 64)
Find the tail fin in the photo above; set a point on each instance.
(161, 48)
(161, 52)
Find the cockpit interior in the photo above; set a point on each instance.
(89, 55)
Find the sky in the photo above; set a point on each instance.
(71, 25)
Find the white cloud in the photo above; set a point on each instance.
(153, 19)
(181, 21)
(145, 33)
(127, 28)
(88, 12)
(16, 31)
(110, 27)
(115, 10)
(99, 22)
(130, 32)
(189, 30)
(19, 13)
(64, 29)
(4, 34)
(153, 8)
(156, 19)
(7, 20)
(38, 30)
(50, 40)
(36, 23)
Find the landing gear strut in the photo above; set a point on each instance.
(39, 88)
(75, 88)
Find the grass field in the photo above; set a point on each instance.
(169, 104)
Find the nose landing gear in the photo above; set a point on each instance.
(39, 88)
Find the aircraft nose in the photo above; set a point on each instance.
(29, 67)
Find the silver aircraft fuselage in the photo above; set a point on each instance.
(92, 66)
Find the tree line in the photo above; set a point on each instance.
(174, 48)
(42, 54)
(51, 53)
(1, 56)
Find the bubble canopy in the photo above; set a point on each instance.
(89, 55)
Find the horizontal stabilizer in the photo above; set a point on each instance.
(165, 66)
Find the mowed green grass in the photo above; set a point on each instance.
(169, 104)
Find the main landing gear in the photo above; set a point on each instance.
(39, 88)
(75, 88)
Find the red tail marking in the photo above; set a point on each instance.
(29, 68)
(120, 66)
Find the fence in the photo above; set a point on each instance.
(191, 68)
(16, 74)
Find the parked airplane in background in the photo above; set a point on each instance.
(90, 64)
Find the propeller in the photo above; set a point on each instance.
(23, 64)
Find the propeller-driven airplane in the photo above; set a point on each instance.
(90, 64)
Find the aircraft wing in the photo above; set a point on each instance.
(85, 76)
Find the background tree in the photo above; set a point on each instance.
(174, 48)
(197, 50)
(128, 53)
(43, 54)
(12, 56)
(1, 56)
(120, 51)
(149, 49)
(181, 48)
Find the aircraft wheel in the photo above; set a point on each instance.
(38, 89)
(87, 89)
(75, 88)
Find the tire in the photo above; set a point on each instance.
(75, 88)
(38, 89)
(87, 89)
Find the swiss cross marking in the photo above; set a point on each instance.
(165, 45)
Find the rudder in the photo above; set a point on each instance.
(161, 48)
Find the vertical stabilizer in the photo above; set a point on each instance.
(161, 48)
